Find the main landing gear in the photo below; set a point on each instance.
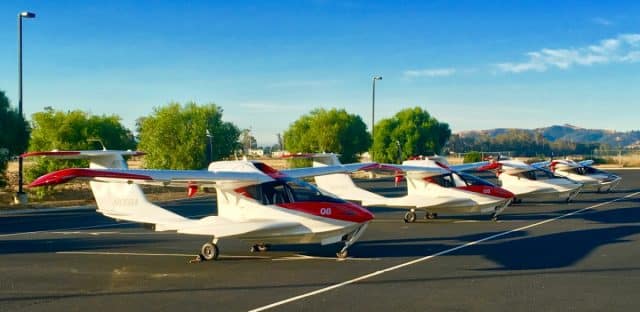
(209, 251)
(260, 247)
(410, 216)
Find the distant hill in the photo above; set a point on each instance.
(571, 133)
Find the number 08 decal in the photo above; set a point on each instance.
(325, 211)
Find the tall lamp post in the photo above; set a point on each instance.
(373, 111)
(21, 197)
(210, 136)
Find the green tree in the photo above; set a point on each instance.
(332, 130)
(73, 130)
(14, 134)
(175, 136)
(472, 157)
(411, 131)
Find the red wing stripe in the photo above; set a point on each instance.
(66, 175)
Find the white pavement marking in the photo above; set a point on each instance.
(68, 229)
(108, 253)
(444, 252)
(105, 253)
(305, 257)
(82, 227)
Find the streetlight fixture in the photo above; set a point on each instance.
(210, 136)
(21, 197)
(373, 111)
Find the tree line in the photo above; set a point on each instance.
(518, 143)
(190, 135)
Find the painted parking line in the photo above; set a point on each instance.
(110, 253)
(298, 257)
(84, 228)
(444, 252)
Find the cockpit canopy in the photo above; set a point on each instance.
(457, 180)
(539, 174)
(287, 190)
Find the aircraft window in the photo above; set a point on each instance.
(252, 191)
(444, 180)
(530, 175)
(305, 192)
(577, 170)
(457, 180)
(591, 170)
(544, 174)
(472, 180)
(275, 193)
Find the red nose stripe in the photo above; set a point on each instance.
(494, 191)
(339, 211)
(66, 175)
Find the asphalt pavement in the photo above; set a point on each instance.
(542, 256)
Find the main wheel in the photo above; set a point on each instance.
(342, 254)
(431, 215)
(410, 217)
(209, 251)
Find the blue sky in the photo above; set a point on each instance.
(473, 64)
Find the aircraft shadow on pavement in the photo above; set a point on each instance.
(50, 245)
(514, 251)
(619, 215)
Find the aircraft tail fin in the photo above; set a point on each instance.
(119, 200)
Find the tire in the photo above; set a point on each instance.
(209, 251)
(410, 217)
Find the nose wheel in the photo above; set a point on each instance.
(353, 237)
(431, 215)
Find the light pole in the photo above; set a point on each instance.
(21, 197)
(373, 111)
(210, 136)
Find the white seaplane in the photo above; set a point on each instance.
(529, 182)
(255, 202)
(592, 178)
(432, 187)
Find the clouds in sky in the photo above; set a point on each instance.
(434, 72)
(624, 48)
(602, 21)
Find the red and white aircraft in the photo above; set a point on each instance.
(256, 203)
(592, 178)
(529, 182)
(430, 186)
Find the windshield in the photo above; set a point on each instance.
(539, 174)
(287, 190)
(473, 180)
(585, 170)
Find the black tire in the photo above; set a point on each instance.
(209, 251)
(410, 217)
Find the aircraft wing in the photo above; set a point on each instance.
(325, 170)
(417, 171)
(541, 164)
(586, 163)
(88, 154)
(476, 166)
(149, 177)
(222, 227)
